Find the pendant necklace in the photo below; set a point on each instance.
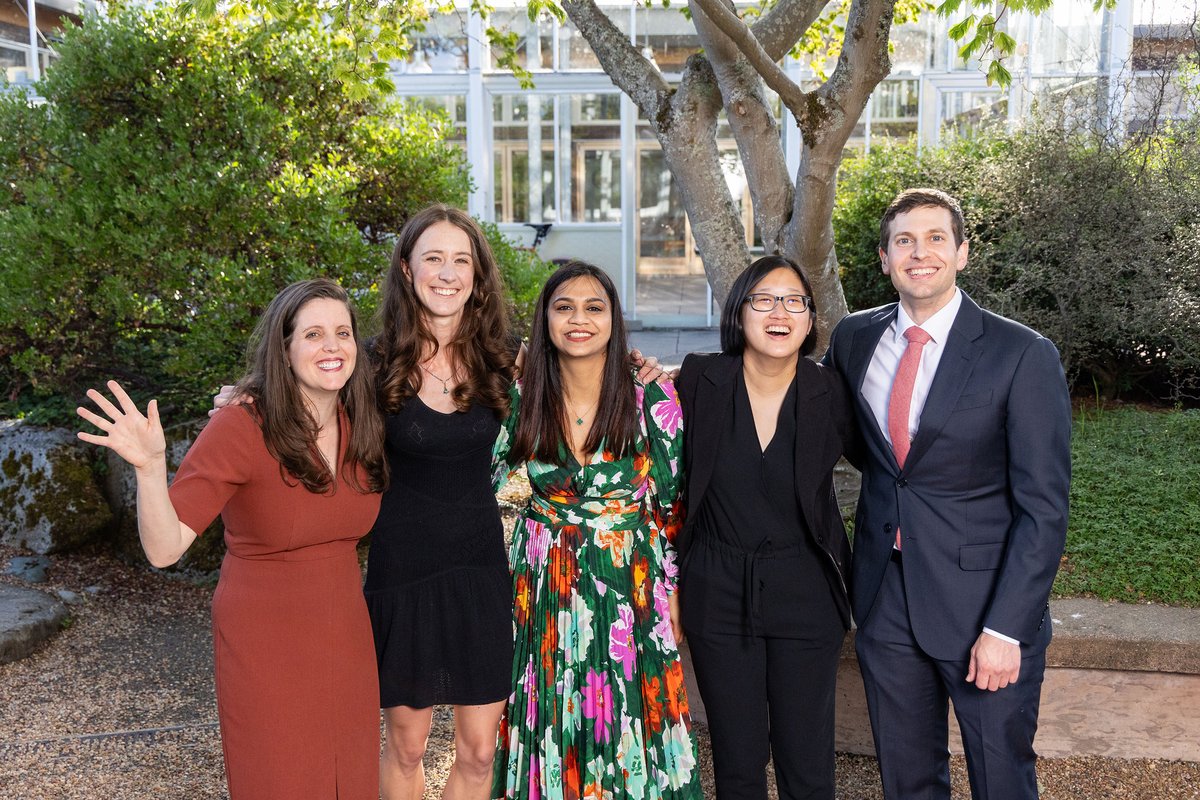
(586, 411)
(445, 381)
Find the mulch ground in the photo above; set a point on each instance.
(120, 705)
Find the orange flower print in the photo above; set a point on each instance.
(641, 587)
(549, 647)
(521, 601)
(616, 542)
(651, 704)
(677, 704)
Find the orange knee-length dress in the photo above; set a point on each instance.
(297, 689)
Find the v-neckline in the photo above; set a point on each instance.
(744, 397)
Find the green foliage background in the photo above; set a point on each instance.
(181, 172)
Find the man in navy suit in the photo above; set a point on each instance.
(966, 468)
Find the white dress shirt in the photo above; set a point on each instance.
(877, 385)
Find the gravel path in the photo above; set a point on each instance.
(120, 706)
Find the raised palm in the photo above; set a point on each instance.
(136, 438)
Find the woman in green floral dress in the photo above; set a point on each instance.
(598, 708)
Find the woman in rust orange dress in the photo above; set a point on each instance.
(295, 477)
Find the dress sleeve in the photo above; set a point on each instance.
(216, 464)
(502, 468)
(664, 428)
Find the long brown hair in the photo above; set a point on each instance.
(540, 430)
(288, 428)
(483, 347)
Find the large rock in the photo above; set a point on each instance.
(121, 487)
(27, 618)
(48, 491)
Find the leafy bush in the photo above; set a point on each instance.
(179, 174)
(1090, 241)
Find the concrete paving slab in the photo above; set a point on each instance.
(27, 619)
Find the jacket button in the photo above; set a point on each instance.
(820, 540)
(887, 527)
(902, 482)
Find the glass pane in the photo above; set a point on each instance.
(574, 53)
(523, 124)
(1066, 38)
(441, 47)
(895, 100)
(589, 136)
(965, 111)
(662, 221)
(12, 65)
(535, 49)
(667, 35)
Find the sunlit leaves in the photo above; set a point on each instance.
(984, 34)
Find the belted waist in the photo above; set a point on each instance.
(619, 514)
(751, 582)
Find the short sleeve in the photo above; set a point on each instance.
(502, 468)
(217, 463)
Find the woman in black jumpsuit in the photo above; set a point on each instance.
(764, 553)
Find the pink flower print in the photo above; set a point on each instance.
(670, 568)
(535, 777)
(537, 543)
(667, 413)
(620, 643)
(662, 610)
(597, 704)
(531, 693)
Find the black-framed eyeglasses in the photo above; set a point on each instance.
(792, 303)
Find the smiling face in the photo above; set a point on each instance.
(777, 333)
(442, 270)
(321, 351)
(579, 319)
(922, 260)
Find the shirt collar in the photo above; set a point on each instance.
(938, 326)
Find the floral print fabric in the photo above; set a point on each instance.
(598, 708)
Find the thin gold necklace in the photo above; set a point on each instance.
(586, 411)
(445, 381)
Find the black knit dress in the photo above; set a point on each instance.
(438, 586)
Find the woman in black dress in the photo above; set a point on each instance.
(438, 586)
(764, 554)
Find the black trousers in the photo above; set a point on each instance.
(769, 697)
(907, 695)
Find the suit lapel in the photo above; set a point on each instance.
(862, 350)
(954, 370)
(713, 405)
(812, 427)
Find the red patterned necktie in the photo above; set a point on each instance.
(900, 401)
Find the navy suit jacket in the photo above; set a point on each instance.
(982, 500)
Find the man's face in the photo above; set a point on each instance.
(922, 259)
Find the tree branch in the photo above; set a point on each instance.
(780, 28)
(723, 17)
(625, 65)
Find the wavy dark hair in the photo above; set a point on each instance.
(733, 336)
(483, 347)
(540, 431)
(289, 430)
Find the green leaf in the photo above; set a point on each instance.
(960, 30)
(1004, 44)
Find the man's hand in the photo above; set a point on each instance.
(995, 663)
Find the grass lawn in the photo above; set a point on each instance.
(1134, 533)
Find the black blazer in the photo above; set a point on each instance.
(824, 431)
(982, 499)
